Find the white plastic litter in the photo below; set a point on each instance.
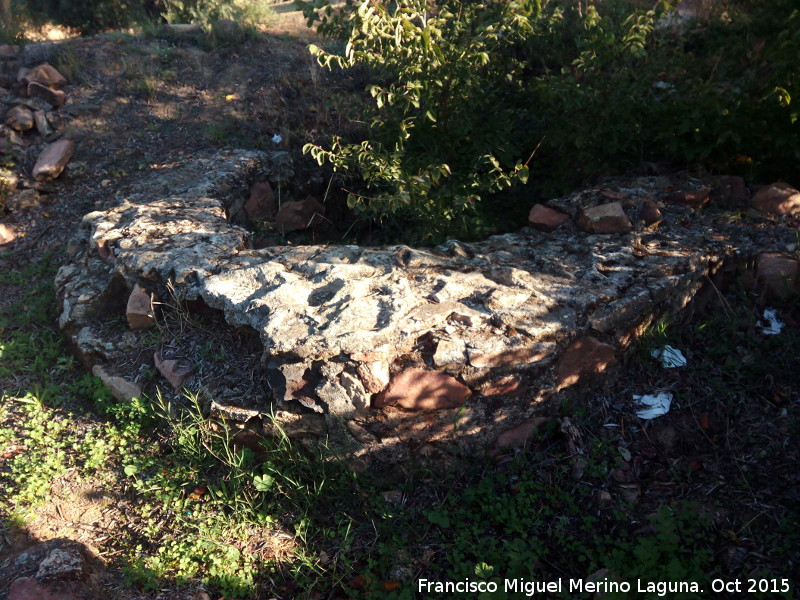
(771, 324)
(276, 139)
(669, 357)
(653, 406)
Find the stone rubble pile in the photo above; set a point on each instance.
(31, 125)
(389, 353)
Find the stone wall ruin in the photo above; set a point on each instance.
(394, 353)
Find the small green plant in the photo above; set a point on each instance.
(440, 130)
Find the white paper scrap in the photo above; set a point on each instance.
(653, 406)
(669, 357)
(771, 325)
(276, 139)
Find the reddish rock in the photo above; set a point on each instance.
(27, 588)
(171, 370)
(122, 389)
(585, 356)
(140, 311)
(606, 218)
(52, 160)
(777, 275)
(7, 234)
(46, 75)
(519, 436)
(694, 198)
(612, 195)
(297, 215)
(777, 199)
(508, 385)
(418, 389)
(260, 205)
(49, 95)
(730, 192)
(20, 118)
(544, 218)
(649, 213)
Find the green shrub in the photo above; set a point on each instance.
(90, 16)
(443, 118)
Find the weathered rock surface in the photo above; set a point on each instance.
(349, 332)
(58, 569)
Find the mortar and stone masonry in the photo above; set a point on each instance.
(391, 354)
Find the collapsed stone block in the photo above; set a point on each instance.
(52, 160)
(606, 218)
(140, 311)
(20, 118)
(47, 75)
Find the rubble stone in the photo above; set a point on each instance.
(172, 370)
(62, 564)
(122, 389)
(606, 218)
(544, 218)
(20, 118)
(46, 75)
(49, 95)
(52, 160)
(140, 311)
(777, 199)
(649, 213)
(418, 389)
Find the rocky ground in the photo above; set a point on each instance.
(132, 107)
